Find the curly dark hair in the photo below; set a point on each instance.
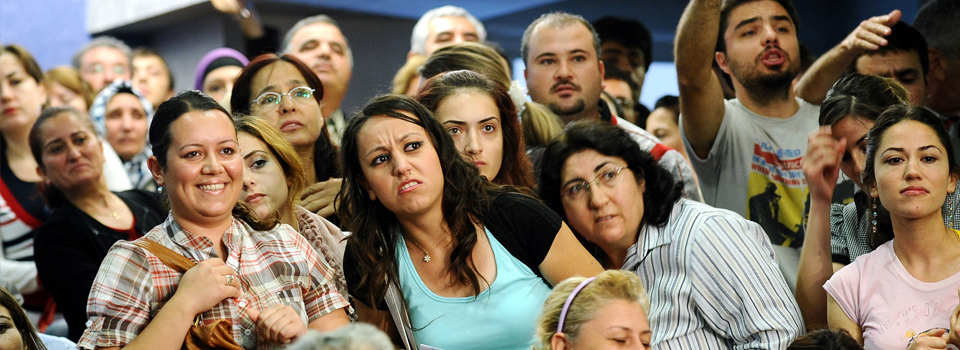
(893, 116)
(466, 197)
(662, 189)
(325, 152)
(20, 321)
(516, 169)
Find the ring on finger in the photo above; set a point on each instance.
(229, 279)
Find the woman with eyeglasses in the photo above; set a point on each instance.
(287, 93)
(712, 278)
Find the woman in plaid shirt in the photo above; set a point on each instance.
(264, 278)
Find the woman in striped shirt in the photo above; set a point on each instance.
(711, 275)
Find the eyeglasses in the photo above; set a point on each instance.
(273, 99)
(579, 190)
(98, 68)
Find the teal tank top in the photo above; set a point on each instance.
(501, 317)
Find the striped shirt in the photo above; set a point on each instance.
(850, 225)
(274, 267)
(713, 282)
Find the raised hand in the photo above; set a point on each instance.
(821, 164)
(868, 36)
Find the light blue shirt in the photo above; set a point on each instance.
(501, 317)
(56, 343)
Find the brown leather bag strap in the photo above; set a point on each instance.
(166, 255)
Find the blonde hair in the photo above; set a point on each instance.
(70, 78)
(281, 149)
(540, 125)
(609, 286)
(409, 71)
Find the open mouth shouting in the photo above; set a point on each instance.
(773, 57)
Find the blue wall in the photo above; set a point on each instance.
(51, 29)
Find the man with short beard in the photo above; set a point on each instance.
(564, 73)
(748, 149)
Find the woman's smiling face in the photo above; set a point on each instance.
(204, 170)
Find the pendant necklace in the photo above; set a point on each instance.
(426, 254)
(114, 214)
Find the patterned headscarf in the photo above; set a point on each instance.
(136, 168)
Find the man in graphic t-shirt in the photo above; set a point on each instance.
(749, 146)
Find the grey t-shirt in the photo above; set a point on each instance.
(753, 168)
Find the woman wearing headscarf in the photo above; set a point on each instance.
(216, 72)
(121, 116)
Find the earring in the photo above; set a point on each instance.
(949, 213)
(873, 218)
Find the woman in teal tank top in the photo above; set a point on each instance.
(472, 261)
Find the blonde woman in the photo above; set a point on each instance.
(604, 312)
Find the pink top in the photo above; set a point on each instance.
(891, 306)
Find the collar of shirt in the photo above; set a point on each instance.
(649, 238)
(201, 248)
(605, 113)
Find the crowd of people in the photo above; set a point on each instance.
(779, 202)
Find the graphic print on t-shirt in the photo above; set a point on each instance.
(775, 193)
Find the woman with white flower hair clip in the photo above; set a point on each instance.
(539, 124)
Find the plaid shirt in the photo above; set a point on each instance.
(274, 267)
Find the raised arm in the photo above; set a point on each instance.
(821, 167)
(701, 98)
(868, 36)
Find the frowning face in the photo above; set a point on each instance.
(400, 166)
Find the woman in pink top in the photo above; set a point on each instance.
(904, 294)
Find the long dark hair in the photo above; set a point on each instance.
(515, 169)
(20, 321)
(466, 197)
(662, 189)
(893, 116)
(160, 138)
(51, 194)
(325, 153)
